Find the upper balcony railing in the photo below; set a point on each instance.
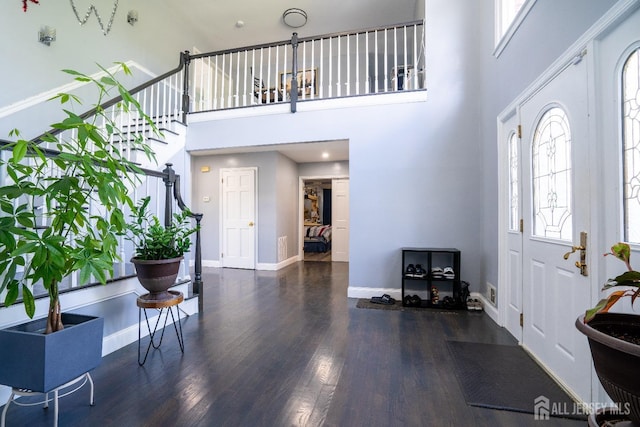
(365, 62)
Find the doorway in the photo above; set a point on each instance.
(316, 212)
(546, 139)
(325, 219)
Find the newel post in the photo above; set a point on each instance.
(169, 179)
(197, 283)
(186, 60)
(294, 73)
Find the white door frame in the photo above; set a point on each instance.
(301, 180)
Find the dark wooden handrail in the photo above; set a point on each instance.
(184, 57)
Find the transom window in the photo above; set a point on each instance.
(551, 158)
(631, 146)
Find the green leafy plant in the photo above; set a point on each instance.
(62, 213)
(629, 279)
(152, 240)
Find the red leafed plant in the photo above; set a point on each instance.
(24, 3)
(629, 278)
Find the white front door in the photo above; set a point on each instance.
(340, 219)
(555, 200)
(238, 217)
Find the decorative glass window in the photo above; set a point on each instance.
(551, 157)
(514, 184)
(631, 146)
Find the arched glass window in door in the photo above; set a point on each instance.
(514, 183)
(631, 145)
(551, 180)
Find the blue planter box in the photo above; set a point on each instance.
(31, 360)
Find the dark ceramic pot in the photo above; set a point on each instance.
(617, 362)
(157, 276)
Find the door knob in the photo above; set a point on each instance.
(573, 249)
(251, 225)
(582, 263)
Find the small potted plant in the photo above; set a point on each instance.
(159, 249)
(614, 338)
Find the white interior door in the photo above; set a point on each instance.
(555, 200)
(340, 220)
(510, 143)
(238, 218)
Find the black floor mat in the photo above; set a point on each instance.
(505, 377)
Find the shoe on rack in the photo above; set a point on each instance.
(437, 273)
(416, 301)
(410, 271)
(448, 273)
(421, 273)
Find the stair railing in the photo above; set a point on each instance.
(162, 99)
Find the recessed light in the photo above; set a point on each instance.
(325, 155)
(239, 24)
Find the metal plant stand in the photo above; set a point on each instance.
(164, 301)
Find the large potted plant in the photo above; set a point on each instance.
(614, 338)
(61, 213)
(159, 249)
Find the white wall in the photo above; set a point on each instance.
(410, 176)
(30, 68)
(277, 201)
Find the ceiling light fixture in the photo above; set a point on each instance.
(294, 17)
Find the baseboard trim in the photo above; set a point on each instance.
(276, 266)
(361, 292)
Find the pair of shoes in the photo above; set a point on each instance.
(448, 273)
(448, 303)
(437, 273)
(412, 301)
(415, 271)
(421, 273)
(384, 299)
(474, 304)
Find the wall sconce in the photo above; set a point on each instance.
(46, 35)
(132, 17)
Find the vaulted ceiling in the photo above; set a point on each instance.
(237, 23)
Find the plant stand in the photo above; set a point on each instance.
(16, 392)
(166, 300)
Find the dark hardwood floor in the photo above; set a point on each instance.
(288, 348)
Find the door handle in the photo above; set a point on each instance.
(250, 223)
(582, 263)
